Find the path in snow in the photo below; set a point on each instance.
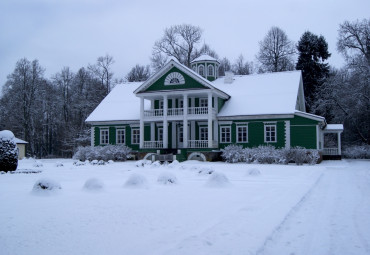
(333, 219)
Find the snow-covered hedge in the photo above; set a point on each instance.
(269, 155)
(105, 153)
(357, 152)
(8, 151)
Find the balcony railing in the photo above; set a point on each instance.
(177, 111)
(330, 151)
(153, 144)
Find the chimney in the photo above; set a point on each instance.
(229, 77)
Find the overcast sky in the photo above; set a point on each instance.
(75, 33)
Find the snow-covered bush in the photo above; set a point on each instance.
(93, 184)
(105, 153)
(94, 162)
(8, 151)
(59, 164)
(232, 153)
(254, 172)
(136, 181)
(79, 163)
(156, 164)
(38, 163)
(167, 178)
(218, 180)
(266, 154)
(312, 157)
(248, 155)
(205, 171)
(46, 184)
(357, 152)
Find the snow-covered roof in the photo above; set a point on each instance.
(334, 127)
(17, 140)
(204, 57)
(270, 93)
(120, 104)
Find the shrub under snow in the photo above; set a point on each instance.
(46, 185)
(38, 164)
(254, 172)
(8, 151)
(105, 153)
(218, 180)
(93, 184)
(269, 155)
(167, 178)
(136, 181)
(357, 152)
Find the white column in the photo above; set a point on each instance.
(165, 123)
(141, 122)
(152, 104)
(92, 136)
(287, 134)
(152, 131)
(210, 129)
(339, 144)
(185, 122)
(192, 130)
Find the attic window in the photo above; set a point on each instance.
(174, 78)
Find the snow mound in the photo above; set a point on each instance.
(46, 184)
(93, 184)
(59, 164)
(156, 164)
(218, 180)
(94, 162)
(167, 178)
(174, 163)
(38, 164)
(79, 163)
(254, 172)
(136, 181)
(205, 171)
(110, 161)
(142, 163)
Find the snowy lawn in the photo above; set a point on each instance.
(123, 208)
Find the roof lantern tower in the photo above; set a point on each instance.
(206, 66)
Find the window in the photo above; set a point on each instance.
(160, 104)
(194, 68)
(203, 102)
(120, 136)
(242, 134)
(181, 135)
(201, 70)
(270, 133)
(160, 134)
(203, 132)
(135, 136)
(225, 135)
(210, 70)
(104, 136)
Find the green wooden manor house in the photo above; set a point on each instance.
(193, 113)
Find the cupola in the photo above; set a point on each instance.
(206, 66)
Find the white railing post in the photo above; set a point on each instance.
(339, 145)
(141, 122)
(185, 122)
(210, 129)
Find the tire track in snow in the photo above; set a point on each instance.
(288, 216)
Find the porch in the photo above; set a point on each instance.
(331, 139)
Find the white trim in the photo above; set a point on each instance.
(132, 135)
(202, 123)
(287, 134)
(174, 75)
(124, 135)
(225, 127)
(270, 125)
(221, 123)
(199, 66)
(135, 125)
(317, 137)
(92, 142)
(200, 128)
(309, 116)
(237, 133)
(100, 138)
(256, 117)
(213, 71)
(241, 123)
(269, 122)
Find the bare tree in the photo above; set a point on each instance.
(354, 40)
(242, 68)
(138, 73)
(102, 71)
(205, 49)
(63, 82)
(224, 66)
(276, 52)
(179, 42)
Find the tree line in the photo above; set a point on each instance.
(50, 113)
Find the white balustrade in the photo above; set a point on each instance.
(153, 144)
(198, 110)
(197, 143)
(175, 111)
(153, 112)
(331, 151)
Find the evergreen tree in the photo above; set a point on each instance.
(313, 51)
(8, 151)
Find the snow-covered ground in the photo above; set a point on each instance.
(122, 208)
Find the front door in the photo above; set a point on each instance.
(180, 136)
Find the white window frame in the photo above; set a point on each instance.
(203, 102)
(211, 70)
(134, 134)
(238, 129)
(123, 136)
(268, 135)
(225, 130)
(103, 135)
(202, 132)
(201, 66)
(160, 133)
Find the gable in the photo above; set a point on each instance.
(187, 83)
